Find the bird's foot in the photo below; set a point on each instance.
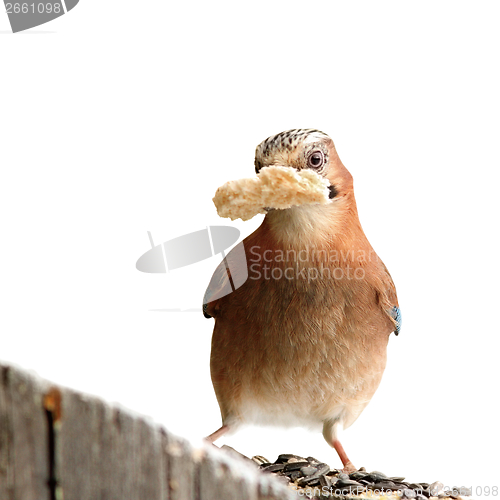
(349, 467)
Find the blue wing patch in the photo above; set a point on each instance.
(396, 314)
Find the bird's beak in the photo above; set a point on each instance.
(333, 191)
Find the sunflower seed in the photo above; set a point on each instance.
(295, 466)
(311, 480)
(342, 483)
(356, 475)
(400, 486)
(308, 481)
(324, 481)
(323, 469)
(287, 457)
(376, 477)
(260, 460)
(308, 471)
(436, 488)
(383, 485)
(274, 467)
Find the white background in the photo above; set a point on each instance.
(122, 117)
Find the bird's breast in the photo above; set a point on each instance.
(305, 335)
(303, 332)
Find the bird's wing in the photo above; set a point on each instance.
(396, 315)
(219, 283)
(230, 274)
(389, 301)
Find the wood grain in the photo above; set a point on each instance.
(57, 443)
(24, 464)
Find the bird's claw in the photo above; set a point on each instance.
(348, 468)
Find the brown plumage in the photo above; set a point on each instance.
(303, 341)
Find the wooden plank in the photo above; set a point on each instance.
(24, 451)
(223, 477)
(78, 472)
(164, 461)
(136, 454)
(57, 443)
(270, 489)
(181, 468)
(107, 453)
(6, 437)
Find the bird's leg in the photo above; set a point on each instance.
(331, 430)
(348, 465)
(217, 434)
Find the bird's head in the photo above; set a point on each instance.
(305, 148)
(308, 149)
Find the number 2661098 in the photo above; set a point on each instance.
(33, 8)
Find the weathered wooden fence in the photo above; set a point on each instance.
(58, 444)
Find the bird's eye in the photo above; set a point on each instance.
(316, 159)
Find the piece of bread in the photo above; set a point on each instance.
(273, 187)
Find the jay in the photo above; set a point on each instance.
(303, 341)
